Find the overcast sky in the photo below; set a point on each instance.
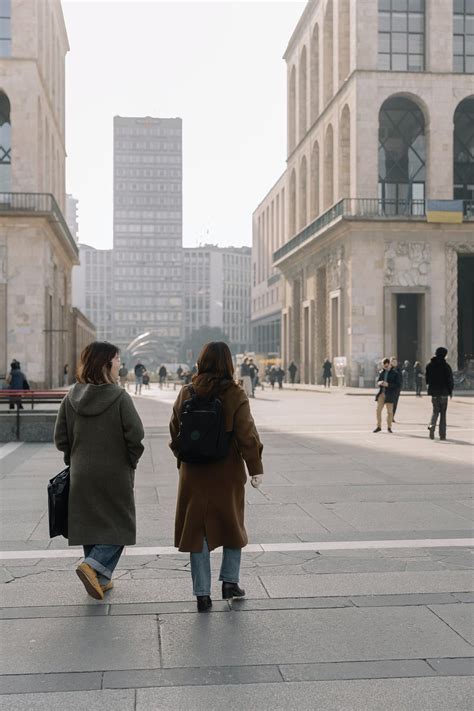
(218, 66)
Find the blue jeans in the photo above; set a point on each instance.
(103, 558)
(201, 568)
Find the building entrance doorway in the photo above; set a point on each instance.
(465, 310)
(409, 322)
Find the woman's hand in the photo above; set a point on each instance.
(256, 480)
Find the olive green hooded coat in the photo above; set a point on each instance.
(100, 433)
(211, 497)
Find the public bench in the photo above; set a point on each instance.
(19, 398)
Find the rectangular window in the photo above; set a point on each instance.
(5, 28)
(463, 36)
(401, 35)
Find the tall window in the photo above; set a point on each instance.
(5, 28)
(463, 39)
(464, 151)
(402, 157)
(5, 144)
(402, 35)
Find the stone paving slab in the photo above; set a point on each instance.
(192, 677)
(459, 617)
(367, 584)
(122, 700)
(300, 636)
(33, 683)
(20, 593)
(80, 644)
(431, 693)
(453, 667)
(395, 668)
(390, 516)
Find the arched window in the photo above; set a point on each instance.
(315, 181)
(402, 157)
(329, 168)
(303, 200)
(5, 144)
(292, 214)
(303, 93)
(314, 74)
(328, 54)
(344, 39)
(292, 111)
(345, 154)
(463, 150)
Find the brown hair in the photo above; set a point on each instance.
(96, 361)
(214, 365)
(385, 361)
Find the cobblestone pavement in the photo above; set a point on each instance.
(358, 574)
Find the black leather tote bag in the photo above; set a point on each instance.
(58, 496)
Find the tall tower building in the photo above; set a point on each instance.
(147, 296)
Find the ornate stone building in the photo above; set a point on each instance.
(37, 250)
(380, 126)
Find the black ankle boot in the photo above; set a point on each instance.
(230, 590)
(204, 603)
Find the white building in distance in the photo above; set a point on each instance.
(217, 291)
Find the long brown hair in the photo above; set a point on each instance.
(214, 366)
(96, 362)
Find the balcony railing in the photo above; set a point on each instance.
(40, 204)
(363, 208)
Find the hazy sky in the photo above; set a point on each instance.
(218, 66)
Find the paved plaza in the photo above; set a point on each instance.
(358, 574)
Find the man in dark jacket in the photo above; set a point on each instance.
(396, 396)
(389, 383)
(439, 379)
(292, 371)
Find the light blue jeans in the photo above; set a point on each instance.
(201, 568)
(103, 558)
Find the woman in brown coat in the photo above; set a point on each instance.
(211, 496)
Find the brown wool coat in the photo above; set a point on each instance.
(100, 433)
(211, 497)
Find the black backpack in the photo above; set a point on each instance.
(202, 435)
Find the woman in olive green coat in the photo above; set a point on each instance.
(100, 433)
(211, 496)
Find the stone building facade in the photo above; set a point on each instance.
(92, 283)
(216, 289)
(37, 250)
(380, 123)
(269, 232)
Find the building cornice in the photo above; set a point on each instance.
(301, 25)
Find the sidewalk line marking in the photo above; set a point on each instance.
(258, 548)
(8, 448)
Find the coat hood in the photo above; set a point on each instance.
(90, 400)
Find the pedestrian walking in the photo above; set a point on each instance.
(272, 376)
(327, 373)
(139, 370)
(418, 377)
(162, 374)
(280, 377)
(146, 380)
(396, 395)
(292, 371)
(65, 374)
(16, 380)
(100, 433)
(253, 370)
(388, 382)
(211, 494)
(245, 377)
(123, 376)
(439, 379)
